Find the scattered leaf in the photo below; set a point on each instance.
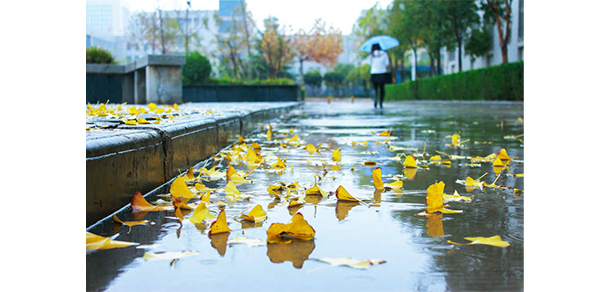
(493, 241)
(95, 242)
(138, 204)
(179, 188)
(256, 214)
(130, 223)
(296, 228)
(220, 225)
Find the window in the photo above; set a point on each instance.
(521, 20)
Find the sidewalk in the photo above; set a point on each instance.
(125, 155)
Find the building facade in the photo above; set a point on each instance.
(515, 45)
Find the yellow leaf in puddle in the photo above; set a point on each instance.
(257, 214)
(498, 163)
(220, 225)
(504, 156)
(353, 263)
(179, 214)
(343, 195)
(435, 159)
(131, 122)
(315, 190)
(231, 190)
(95, 242)
(143, 121)
(410, 162)
(493, 241)
(377, 178)
(385, 133)
(158, 256)
(238, 179)
(202, 213)
(456, 197)
(179, 188)
(296, 228)
(189, 175)
(138, 203)
(434, 199)
(397, 185)
(311, 149)
(129, 223)
(337, 155)
(410, 173)
(202, 188)
(279, 164)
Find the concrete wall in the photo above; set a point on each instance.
(153, 78)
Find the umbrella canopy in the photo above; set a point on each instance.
(384, 41)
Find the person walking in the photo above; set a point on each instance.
(379, 61)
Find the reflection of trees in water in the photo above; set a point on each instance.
(296, 252)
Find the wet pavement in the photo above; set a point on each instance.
(415, 248)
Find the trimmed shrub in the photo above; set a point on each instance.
(503, 82)
(197, 69)
(97, 55)
(230, 81)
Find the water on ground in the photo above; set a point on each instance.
(415, 248)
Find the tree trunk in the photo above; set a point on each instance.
(161, 30)
(438, 63)
(187, 34)
(247, 33)
(460, 54)
(432, 70)
(301, 72)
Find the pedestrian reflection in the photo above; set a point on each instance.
(297, 252)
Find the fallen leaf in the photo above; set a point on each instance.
(256, 214)
(202, 213)
(95, 242)
(456, 197)
(220, 225)
(232, 191)
(312, 149)
(410, 162)
(138, 203)
(493, 241)
(379, 184)
(370, 163)
(315, 190)
(343, 195)
(434, 200)
(337, 155)
(129, 223)
(179, 188)
(296, 228)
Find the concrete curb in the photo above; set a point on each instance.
(127, 159)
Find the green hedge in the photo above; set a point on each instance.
(230, 81)
(503, 82)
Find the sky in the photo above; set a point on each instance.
(341, 14)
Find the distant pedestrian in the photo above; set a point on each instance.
(380, 75)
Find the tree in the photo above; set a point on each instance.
(197, 69)
(500, 12)
(460, 17)
(478, 44)
(405, 24)
(144, 29)
(319, 45)
(313, 78)
(275, 47)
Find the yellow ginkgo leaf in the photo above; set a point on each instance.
(238, 179)
(377, 178)
(493, 241)
(220, 225)
(202, 213)
(498, 163)
(343, 195)
(296, 228)
(279, 164)
(353, 263)
(456, 197)
(231, 190)
(95, 242)
(129, 223)
(311, 149)
(179, 188)
(410, 173)
(131, 122)
(410, 162)
(202, 188)
(435, 159)
(189, 174)
(504, 156)
(434, 200)
(256, 214)
(315, 190)
(139, 204)
(158, 256)
(143, 121)
(337, 155)
(397, 185)
(294, 139)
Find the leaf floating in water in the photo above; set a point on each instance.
(95, 242)
(179, 188)
(138, 203)
(493, 241)
(315, 190)
(129, 223)
(220, 225)
(337, 155)
(410, 162)
(296, 228)
(353, 263)
(202, 213)
(256, 214)
(379, 184)
(434, 200)
(343, 195)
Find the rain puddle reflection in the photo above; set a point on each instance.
(385, 225)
